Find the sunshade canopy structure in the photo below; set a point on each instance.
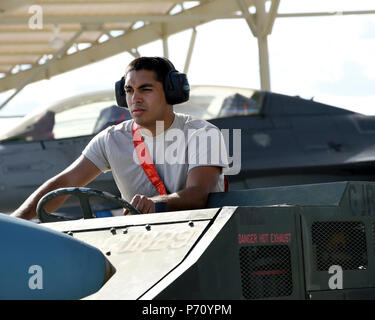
(43, 38)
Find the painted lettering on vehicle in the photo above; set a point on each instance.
(151, 241)
(250, 238)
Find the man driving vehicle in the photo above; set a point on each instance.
(153, 156)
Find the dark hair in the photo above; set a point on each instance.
(160, 68)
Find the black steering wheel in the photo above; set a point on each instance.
(83, 194)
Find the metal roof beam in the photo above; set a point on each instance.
(244, 7)
(272, 16)
(23, 49)
(36, 71)
(63, 2)
(100, 19)
(324, 14)
(9, 5)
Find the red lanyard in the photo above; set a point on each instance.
(145, 160)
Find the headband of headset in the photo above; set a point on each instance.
(176, 86)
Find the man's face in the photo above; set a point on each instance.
(146, 99)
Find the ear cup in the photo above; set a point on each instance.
(176, 85)
(120, 93)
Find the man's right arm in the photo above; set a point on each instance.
(78, 174)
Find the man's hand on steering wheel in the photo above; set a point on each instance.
(142, 203)
(83, 194)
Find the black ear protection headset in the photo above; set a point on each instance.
(176, 86)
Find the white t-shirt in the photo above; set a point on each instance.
(188, 143)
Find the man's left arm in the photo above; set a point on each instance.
(200, 182)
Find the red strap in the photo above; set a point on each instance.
(145, 160)
(226, 184)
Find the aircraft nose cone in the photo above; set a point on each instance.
(110, 270)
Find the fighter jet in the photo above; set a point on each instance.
(284, 140)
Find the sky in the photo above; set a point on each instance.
(329, 59)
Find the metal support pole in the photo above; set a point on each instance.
(261, 24)
(164, 38)
(165, 48)
(261, 19)
(264, 66)
(190, 51)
